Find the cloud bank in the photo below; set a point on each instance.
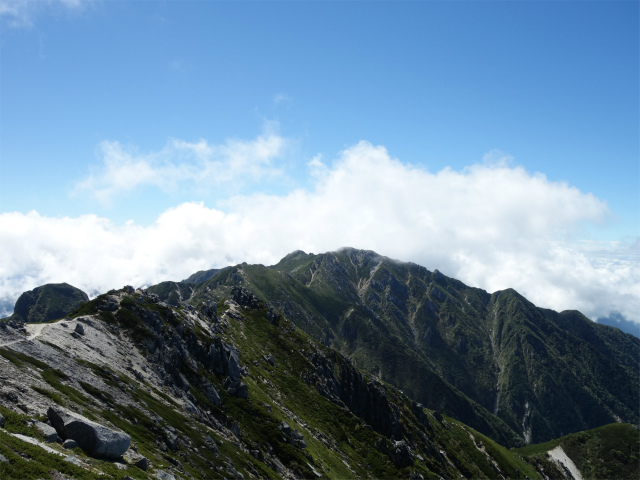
(179, 162)
(491, 225)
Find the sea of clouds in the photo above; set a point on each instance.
(492, 225)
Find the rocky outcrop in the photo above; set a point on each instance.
(293, 437)
(48, 302)
(245, 298)
(351, 389)
(95, 439)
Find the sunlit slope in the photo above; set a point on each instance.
(496, 361)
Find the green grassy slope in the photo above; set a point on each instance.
(522, 369)
(351, 423)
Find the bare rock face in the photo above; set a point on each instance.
(95, 439)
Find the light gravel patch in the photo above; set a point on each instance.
(561, 459)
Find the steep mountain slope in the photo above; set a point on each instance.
(48, 302)
(225, 390)
(494, 361)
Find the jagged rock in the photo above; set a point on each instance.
(401, 454)
(79, 329)
(236, 388)
(235, 429)
(210, 311)
(286, 429)
(2, 420)
(3, 459)
(367, 400)
(233, 364)
(95, 439)
(244, 297)
(172, 441)
(111, 305)
(292, 436)
(210, 391)
(48, 432)
(190, 407)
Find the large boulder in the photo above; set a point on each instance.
(95, 439)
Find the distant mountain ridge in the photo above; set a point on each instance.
(512, 370)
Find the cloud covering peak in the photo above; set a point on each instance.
(490, 225)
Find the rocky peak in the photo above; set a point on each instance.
(48, 302)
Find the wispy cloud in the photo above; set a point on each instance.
(123, 169)
(22, 13)
(281, 97)
(489, 225)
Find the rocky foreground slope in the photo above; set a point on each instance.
(218, 390)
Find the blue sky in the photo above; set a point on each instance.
(508, 129)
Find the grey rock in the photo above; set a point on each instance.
(162, 475)
(234, 365)
(172, 441)
(111, 304)
(142, 463)
(48, 432)
(95, 439)
(211, 392)
(79, 329)
(73, 459)
(69, 443)
(190, 407)
(2, 420)
(134, 458)
(235, 429)
(236, 388)
(284, 426)
(3, 459)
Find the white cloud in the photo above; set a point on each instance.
(232, 164)
(21, 13)
(490, 225)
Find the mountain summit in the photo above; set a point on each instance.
(404, 373)
(514, 371)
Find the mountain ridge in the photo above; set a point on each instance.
(219, 382)
(373, 309)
